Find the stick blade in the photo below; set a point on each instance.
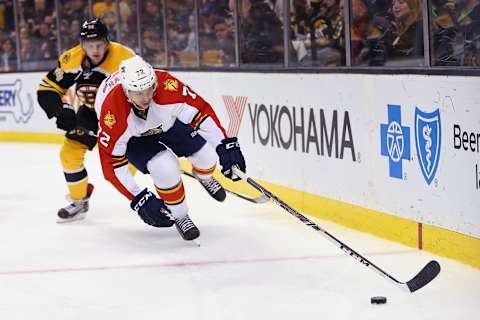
(427, 274)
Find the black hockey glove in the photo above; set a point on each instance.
(86, 127)
(152, 210)
(230, 155)
(66, 118)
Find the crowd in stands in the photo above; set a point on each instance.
(167, 33)
(456, 32)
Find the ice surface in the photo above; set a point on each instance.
(255, 261)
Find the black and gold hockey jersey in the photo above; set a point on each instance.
(74, 68)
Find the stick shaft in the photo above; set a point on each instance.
(260, 199)
(347, 249)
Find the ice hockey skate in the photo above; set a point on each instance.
(77, 209)
(187, 228)
(213, 187)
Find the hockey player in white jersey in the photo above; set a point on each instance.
(149, 118)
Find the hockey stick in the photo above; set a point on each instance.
(260, 199)
(427, 274)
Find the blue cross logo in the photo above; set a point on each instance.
(395, 141)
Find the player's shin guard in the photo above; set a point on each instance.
(174, 198)
(72, 156)
(206, 179)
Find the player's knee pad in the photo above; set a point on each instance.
(164, 169)
(205, 158)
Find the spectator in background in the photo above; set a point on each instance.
(470, 25)
(47, 42)
(191, 37)
(369, 23)
(217, 7)
(101, 7)
(74, 10)
(8, 58)
(153, 47)
(207, 17)
(110, 21)
(444, 32)
(456, 32)
(75, 28)
(152, 16)
(261, 35)
(225, 41)
(34, 12)
(24, 32)
(153, 33)
(28, 52)
(331, 40)
(7, 20)
(3, 37)
(359, 31)
(244, 7)
(128, 14)
(407, 40)
(299, 31)
(402, 38)
(177, 40)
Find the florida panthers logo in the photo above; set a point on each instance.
(109, 120)
(170, 85)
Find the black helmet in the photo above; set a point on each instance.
(93, 30)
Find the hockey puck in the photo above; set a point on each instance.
(378, 300)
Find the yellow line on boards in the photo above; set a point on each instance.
(436, 240)
(37, 137)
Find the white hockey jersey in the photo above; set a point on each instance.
(118, 123)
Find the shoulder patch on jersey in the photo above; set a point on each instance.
(170, 85)
(71, 60)
(58, 74)
(109, 120)
(66, 58)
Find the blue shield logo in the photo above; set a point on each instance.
(427, 140)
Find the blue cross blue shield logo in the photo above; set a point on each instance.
(395, 141)
(428, 140)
